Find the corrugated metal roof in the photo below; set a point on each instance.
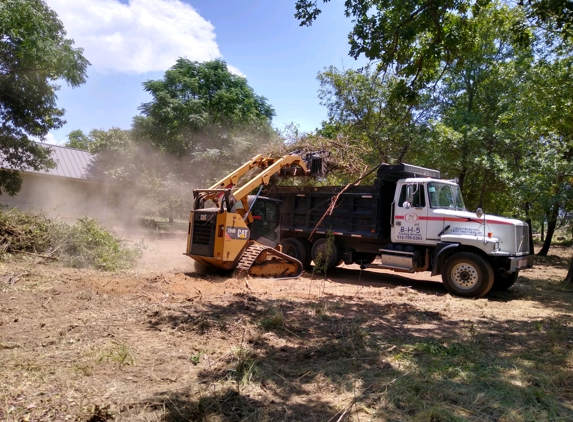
(70, 162)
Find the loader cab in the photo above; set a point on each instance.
(265, 227)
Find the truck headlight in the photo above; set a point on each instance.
(496, 246)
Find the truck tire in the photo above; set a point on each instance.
(503, 281)
(467, 274)
(324, 248)
(308, 249)
(295, 248)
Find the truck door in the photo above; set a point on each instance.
(410, 213)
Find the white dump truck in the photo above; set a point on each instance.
(412, 221)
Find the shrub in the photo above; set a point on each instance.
(84, 244)
(87, 244)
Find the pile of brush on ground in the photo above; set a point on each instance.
(84, 244)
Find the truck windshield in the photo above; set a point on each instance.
(445, 196)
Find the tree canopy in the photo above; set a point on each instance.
(362, 107)
(417, 38)
(34, 54)
(201, 113)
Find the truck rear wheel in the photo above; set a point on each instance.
(325, 253)
(308, 249)
(503, 281)
(467, 274)
(295, 248)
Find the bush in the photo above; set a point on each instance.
(87, 244)
(84, 244)
(21, 232)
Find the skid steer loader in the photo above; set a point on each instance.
(232, 230)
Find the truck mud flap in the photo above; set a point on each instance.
(438, 254)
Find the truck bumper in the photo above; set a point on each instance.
(520, 263)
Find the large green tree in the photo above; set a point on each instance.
(415, 38)
(469, 139)
(362, 107)
(141, 179)
(543, 111)
(34, 55)
(206, 116)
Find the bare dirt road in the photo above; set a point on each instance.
(162, 343)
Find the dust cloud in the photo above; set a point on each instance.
(142, 193)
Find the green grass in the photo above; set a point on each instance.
(85, 244)
(118, 353)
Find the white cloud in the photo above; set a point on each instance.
(235, 70)
(51, 139)
(139, 37)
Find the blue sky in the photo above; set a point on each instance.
(131, 41)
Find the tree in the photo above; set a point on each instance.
(546, 100)
(470, 101)
(415, 38)
(203, 114)
(569, 276)
(78, 140)
(362, 108)
(34, 54)
(141, 181)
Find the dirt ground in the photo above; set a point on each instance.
(163, 343)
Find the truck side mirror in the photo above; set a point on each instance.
(406, 205)
(411, 195)
(479, 213)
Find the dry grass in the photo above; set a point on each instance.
(86, 346)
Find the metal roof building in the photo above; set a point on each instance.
(70, 162)
(68, 190)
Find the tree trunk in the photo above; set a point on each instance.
(551, 224)
(462, 178)
(542, 231)
(526, 208)
(569, 278)
(531, 247)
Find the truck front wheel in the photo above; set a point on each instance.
(503, 281)
(467, 274)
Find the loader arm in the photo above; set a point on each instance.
(272, 167)
(269, 166)
(233, 178)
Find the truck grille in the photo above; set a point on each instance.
(522, 239)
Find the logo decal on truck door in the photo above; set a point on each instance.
(411, 218)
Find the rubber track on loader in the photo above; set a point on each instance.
(292, 267)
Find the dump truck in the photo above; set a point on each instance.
(412, 221)
(229, 229)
